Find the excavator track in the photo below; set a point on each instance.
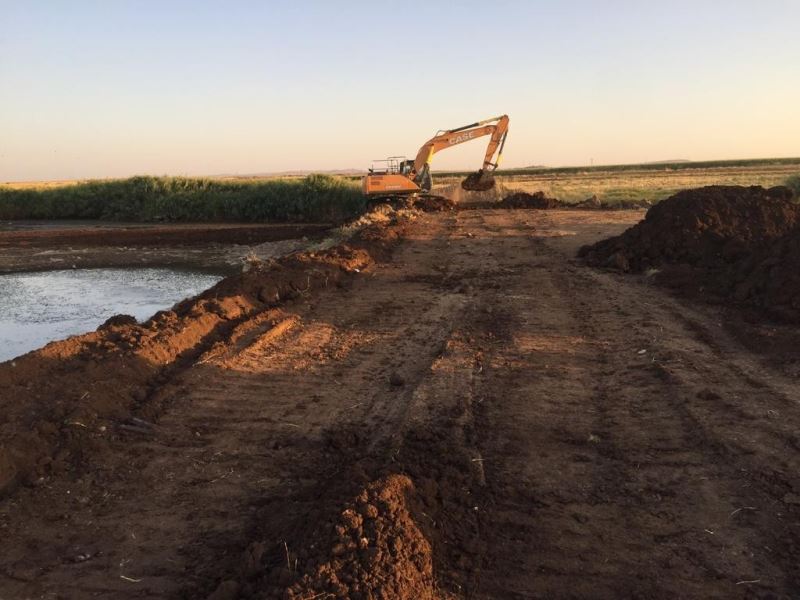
(432, 202)
(422, 201)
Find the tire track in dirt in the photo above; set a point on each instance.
(434, 447)
(630, 495)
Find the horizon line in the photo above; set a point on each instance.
(351, 172)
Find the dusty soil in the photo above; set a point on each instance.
(447, 407)
(34, 246)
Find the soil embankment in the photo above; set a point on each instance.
(110, 373)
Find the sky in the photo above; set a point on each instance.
(112, 88)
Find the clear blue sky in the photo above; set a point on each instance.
(112, 88)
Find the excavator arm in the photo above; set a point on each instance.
(483, 179)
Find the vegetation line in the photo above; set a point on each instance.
(313, 198)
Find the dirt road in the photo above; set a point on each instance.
(494, 419)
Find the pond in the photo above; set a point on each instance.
(36, 308)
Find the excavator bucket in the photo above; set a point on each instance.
(480, 181)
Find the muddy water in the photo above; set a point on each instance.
(36, 308)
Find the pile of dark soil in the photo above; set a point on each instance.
(702, 227)
(434, 203)
(525, 200)
(770, 279)
(727, 243)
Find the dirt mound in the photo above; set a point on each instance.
(703, 227)
(374, 550)
(725, 243)
(525, 200)
(67, 401)
(434, 203)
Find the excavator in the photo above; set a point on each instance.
(397, 176)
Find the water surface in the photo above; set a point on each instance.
(36, 308)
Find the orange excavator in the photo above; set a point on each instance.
(397, 176)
